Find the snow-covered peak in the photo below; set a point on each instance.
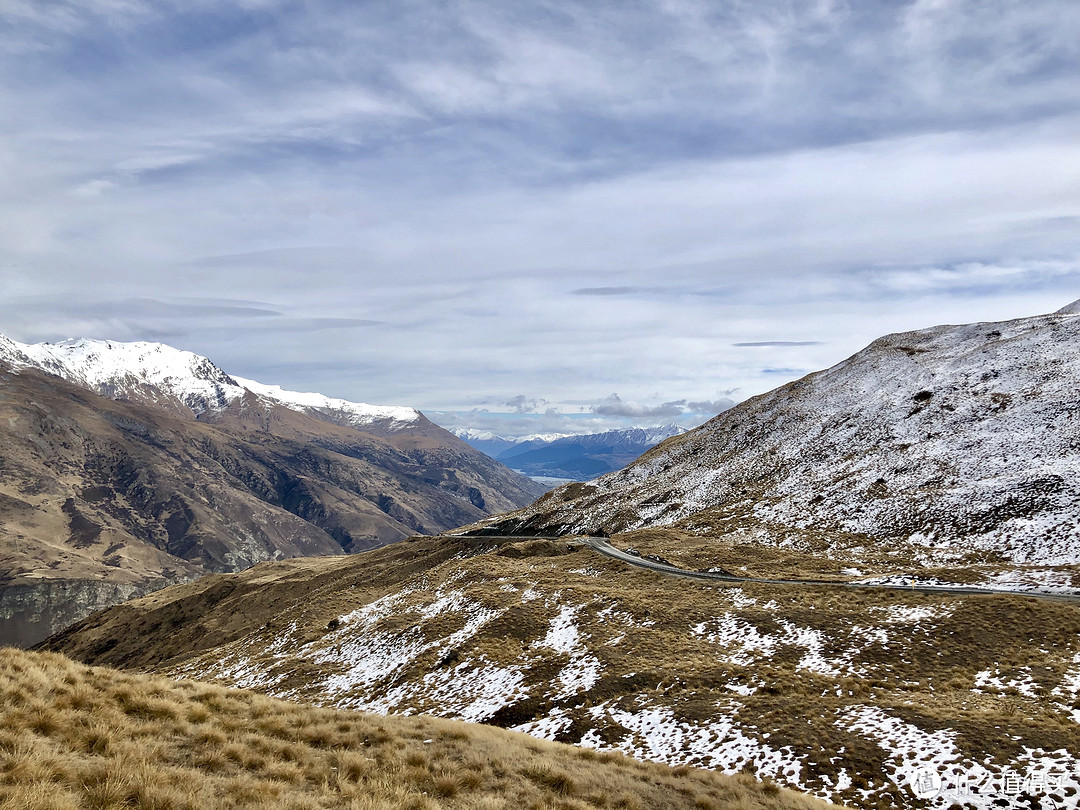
(544, 437)
(652, 435)
(12, 353)
(356, 413)
(474, 434)
(122, 370)
(156, 373)
(640, 435)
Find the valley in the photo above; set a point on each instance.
(840, 587)
(564, 458)
(562, 405)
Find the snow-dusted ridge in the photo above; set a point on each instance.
(161, 374)
(356, 412)
(952, 440)
(641, 435)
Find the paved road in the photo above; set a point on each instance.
(604, 547)
(601, 545)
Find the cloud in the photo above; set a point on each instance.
(605, 291)
(710, 406)
(612, 413)
(756, 343)
(613, 406)
(93, 188)
(522, 404)
(320, 324)
(437, 177)
(973, 275)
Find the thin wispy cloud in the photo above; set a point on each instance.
(605, 291)
(440, 203)
(760, 343)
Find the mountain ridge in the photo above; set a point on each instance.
(922, 438)
(140, 369)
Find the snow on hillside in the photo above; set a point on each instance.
(422, 648)
(118, 370)
(156, 373)
(954, 433)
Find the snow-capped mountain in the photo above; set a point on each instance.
(129, 466)
(153, 373)
(493, 444)
(951, 440)
(577, 456)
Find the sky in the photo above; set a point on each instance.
(541, 216)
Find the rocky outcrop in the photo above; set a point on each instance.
(33, 609)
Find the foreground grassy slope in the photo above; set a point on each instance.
(73, 736)
(836, 692)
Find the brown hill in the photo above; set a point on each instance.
(101, 500)
(845, 694)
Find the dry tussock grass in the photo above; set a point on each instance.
(74, 736)
(925, 672)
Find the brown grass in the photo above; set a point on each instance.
(649, 656)
(74, 736)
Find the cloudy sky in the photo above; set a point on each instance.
(541, 214)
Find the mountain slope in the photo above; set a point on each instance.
(188, 473)
(952, 442)
(845, 694)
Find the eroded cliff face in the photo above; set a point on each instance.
(31, 610)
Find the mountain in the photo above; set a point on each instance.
(951, 443)
(128, 467)
(184, 382)
(844, 693)
(486, 441)
(574, 456)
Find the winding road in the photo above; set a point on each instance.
(602, 546)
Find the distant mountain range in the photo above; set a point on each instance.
(577, 457)
(126, 467)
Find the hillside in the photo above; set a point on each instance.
(844, 694)
(102, 499)
(955, 444)
(78, 737)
